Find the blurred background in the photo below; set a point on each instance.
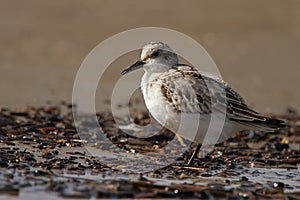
(255, 44)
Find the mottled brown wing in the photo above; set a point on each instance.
(185, 90)
(188, 91)
(239, 111)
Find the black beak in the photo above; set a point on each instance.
(136, 65)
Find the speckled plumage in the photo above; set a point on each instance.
(171, 89)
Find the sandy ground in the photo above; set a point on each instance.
(255, 45)
(42, 154)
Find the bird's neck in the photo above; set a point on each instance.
(147, 78)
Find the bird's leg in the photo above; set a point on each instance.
(180, 140)
(195, 152)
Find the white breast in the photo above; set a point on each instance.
(155, 102)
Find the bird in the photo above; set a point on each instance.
(172, 90)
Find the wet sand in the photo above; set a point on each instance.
(41, 153)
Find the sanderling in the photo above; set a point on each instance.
(171, 89)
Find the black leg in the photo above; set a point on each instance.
(196, 151)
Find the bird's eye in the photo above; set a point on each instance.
(154, 54)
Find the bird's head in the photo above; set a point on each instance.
(155, 57)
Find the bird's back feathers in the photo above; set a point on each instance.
(189, 91)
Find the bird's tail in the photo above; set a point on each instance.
(268, 124)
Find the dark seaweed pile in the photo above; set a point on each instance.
(38, 145)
